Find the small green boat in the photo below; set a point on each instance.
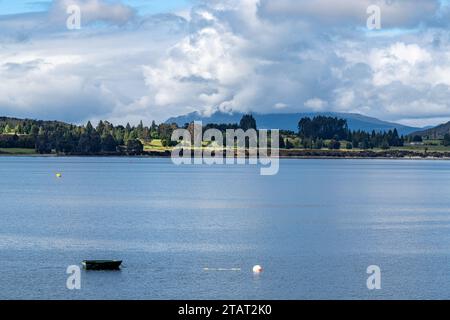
(101, 264)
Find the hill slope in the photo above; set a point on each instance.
(289, 121)
(434, 133)
(12, 122)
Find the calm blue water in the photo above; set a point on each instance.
(315, 228)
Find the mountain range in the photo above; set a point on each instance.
(289, 121)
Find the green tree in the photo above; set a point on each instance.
(289, 144)
(446, 141)
(334, 144)
(43, 145)
(100, 127)
(84, 144)
(140, 130)
(89, 127)
(318, 144)
(323, 127)
(385, 144)
(108, 143)
(247, 122)
(154, 127)
(307, 143)
(282, 144)
(135, 147)
(18, 129)
(34, 131)
(7, 129)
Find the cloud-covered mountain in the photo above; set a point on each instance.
(289, 121)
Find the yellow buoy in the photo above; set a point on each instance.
(58, 175)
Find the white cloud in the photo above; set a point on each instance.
(316, 104)
(204, 69)
(394, 13)
(80, 75)
(398, 62)
(247, 55)
(280, 106)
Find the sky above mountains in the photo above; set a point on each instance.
(153, 59)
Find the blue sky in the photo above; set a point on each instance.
(128, 63)
(19, 6)
(143, 6)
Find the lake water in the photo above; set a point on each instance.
(315, 228)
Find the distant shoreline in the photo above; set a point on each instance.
(284, 154)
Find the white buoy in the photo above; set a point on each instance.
(257, 269)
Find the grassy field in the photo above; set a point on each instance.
(18, 151)
(427, 146)
(155, 145)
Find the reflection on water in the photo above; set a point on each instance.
(315, 228)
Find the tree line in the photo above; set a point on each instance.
(323, 131)
(105, 138)
(46, 136)
(52, 136)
